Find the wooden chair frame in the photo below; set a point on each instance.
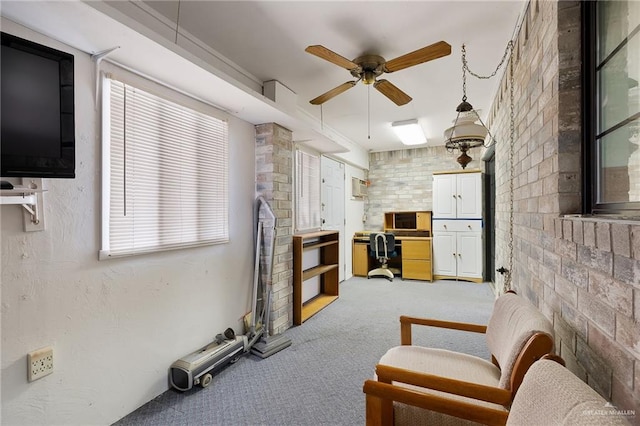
(381, 394)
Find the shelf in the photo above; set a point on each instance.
(315, 305)
(326, 268)
(317, 270)
(316, 245)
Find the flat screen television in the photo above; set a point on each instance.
(37, 110)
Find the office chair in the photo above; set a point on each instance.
(382, 246)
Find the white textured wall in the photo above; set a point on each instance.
(115, 325)
(354, 212)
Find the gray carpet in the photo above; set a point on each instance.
(318, 379)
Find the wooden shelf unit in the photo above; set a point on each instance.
(328, 244)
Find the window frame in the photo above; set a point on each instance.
(182, 103)
(590, 119)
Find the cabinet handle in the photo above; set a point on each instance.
(459, 255)
(454, 195)
(469, 226)
(459, 196)
(444, 226)
(454, 254)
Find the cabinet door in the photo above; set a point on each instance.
(469, 250)
(423, 221)
(469, 195)
(444, 196)
(360, 259)
(444, 253)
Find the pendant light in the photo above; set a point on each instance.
(468, 130)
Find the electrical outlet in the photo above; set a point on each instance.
(40, 363)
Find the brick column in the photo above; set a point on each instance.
(274, 181)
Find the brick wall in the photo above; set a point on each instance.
(403, 180)
(583, 273)
(274, 181)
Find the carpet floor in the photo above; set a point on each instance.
(318, 379)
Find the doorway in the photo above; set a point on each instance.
(490, 214)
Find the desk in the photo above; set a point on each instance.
(413, 260)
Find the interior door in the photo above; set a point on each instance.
(489, 208)
(332, 212)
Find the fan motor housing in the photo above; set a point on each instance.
(369, 67)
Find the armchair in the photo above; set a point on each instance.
(549, 395)
(517, 335)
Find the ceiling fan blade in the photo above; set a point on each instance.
(331, 56)
(392, 92)
(333, 92)
(428, 53)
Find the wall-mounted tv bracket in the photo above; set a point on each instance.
(30, 198)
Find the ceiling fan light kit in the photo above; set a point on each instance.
(409, 132)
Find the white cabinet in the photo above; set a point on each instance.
(457, 195)
(457, 226)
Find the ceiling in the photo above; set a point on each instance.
(267, 39)
(241, 44)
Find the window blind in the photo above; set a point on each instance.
(307, 197)
(168, 174)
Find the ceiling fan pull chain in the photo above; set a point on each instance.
(369, 111)
(177, 22)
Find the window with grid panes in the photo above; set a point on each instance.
(611, 31)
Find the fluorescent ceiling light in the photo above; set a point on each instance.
(409, 132)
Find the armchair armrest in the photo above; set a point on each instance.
(406, 323)
(387, 374)
(378, 394)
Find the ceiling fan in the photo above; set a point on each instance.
(369, 67)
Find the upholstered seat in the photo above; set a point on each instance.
(517, 335)
(443, 363)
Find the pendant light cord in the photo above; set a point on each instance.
(512, 132)
(508, 54)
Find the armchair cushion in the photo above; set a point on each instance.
(445, 363)
(512, 323)
(552, 395)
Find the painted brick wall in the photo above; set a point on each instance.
(582, 273)
(274, 181)
(403, 180)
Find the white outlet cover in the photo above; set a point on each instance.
(39, 363)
